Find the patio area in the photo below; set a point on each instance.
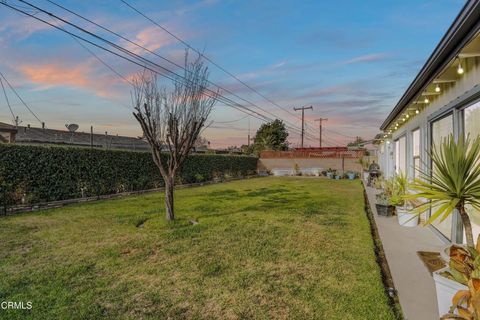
(412, 280)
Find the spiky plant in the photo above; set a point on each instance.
(453, 183)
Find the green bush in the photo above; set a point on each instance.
(40, 173)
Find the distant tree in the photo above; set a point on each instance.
(358, 141)
(201, 142)
(171, 120)
(271, 136)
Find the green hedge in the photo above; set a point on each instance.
(39, 173)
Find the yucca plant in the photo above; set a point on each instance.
(453, 183)
(399, 187)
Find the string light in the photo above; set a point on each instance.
(460, 69)
(426, 100)
(437, 88)
(417, 111)
(407, 116)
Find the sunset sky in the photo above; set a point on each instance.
(350, 60)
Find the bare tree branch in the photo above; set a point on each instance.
(172, 120)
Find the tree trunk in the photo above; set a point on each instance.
(169, 184)
(466, 225)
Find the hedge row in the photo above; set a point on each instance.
(38, 174)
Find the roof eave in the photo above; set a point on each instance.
(465, 25)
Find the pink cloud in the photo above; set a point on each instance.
(366, 58)
(151, 38)
(80, 76)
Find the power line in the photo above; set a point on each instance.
(6, 99)
(206, 57)
(18, 96)
(340, 134)
(232, 121)
(146, 49)
(132, 57)
(146, 64)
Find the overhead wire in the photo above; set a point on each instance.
(6, 99)
(152, 52)
(147, 66)
(206, 57)
(18, 96)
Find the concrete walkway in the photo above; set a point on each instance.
(415, 286)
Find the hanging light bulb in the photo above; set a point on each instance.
(426, 100)
(460, 69)
(437, 88)
(407, 116)
(417, 111)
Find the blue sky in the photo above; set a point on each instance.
(350, 60)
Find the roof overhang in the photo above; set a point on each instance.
(464, 28)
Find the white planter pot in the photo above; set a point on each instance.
(445, 289)
(366, 175)
(405, 218)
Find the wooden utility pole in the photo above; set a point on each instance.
(91, 136)
(320, 127)
(248, 139)
(303, 119)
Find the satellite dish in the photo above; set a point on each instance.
(72, 127)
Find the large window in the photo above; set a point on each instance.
(416, 152)
(401, 155)
(441, 129)
(471, 124)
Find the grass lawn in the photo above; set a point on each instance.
(267, 248)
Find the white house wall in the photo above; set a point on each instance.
(453, 96)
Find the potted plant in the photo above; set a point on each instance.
(364, 163)
(451, 283)
(351, 175)
(331, 173)
(382, 204)
(403, 206)
(453, 184)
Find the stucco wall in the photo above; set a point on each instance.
(325, 163)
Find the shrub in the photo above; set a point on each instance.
(59, 173)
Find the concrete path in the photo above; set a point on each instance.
(415, 286)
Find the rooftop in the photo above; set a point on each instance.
(53, 136)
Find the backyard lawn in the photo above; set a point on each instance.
(266, 248)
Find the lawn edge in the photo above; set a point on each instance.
(382, 262)
(41, 206)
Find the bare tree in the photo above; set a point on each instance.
(172, 120)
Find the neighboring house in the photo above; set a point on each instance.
(443, 99)
(31, 135)
(7, 133)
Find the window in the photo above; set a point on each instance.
(416, 152)
(401, 155)
(471, 124)
(441, 129)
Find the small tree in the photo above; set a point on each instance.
(357, 142)
(271, 136)
(172, 120)
(454, 182)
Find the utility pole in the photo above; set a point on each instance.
(248, 141)
(320, 127)
(17, 121)
(91, 136)
(303, 118)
